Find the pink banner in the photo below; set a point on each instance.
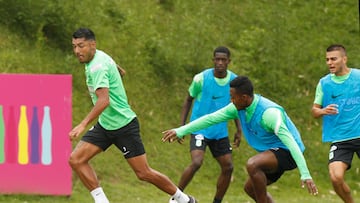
(35, 118)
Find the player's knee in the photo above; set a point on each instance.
(144, 175)
(251, 166)
(248, 189)
(196, 164)
(75, 161)
(336, 178)
(228, 168)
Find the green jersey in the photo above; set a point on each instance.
(101, 72)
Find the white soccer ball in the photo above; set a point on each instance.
(172, 200)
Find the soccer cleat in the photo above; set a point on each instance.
(192, 199)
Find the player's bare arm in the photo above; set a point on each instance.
(102, 102)
(317, 110)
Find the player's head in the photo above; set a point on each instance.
(221, 59)
(222, 49)
(336, 59)
(242, 92)
(84, 44)
(337, 47)
(85, 33)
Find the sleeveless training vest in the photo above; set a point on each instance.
(256, 135)
(346, 124)
(213, 98)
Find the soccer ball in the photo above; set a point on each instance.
(172, 200)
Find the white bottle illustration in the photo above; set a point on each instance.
(46, 137)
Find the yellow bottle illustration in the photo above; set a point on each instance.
(23, 137)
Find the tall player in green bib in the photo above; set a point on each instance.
(267, 128)
(117, 123)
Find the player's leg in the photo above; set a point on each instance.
(221, 150)
(337, 171)
(223, 182)
(340, 158)
(257, 167)
(92, 143)
(128, 140)
(249, 189)
(143, 171)
(197, 152)
(79, 162)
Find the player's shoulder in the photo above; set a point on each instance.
(198, 77)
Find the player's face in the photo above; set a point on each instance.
(221, 61)
(83, 49)
(336, 61)
(239, 100)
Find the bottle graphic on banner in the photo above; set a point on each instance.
(2, 136)
(35, 137)
(11, 138)
(46, 137)
(23, 137)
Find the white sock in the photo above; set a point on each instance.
(181, 197)
(99, 195)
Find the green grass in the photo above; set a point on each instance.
(162, 44)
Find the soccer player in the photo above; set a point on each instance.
(117, 123)
(267, 128)
(337, 101)
(210, 91)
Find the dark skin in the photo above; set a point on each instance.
(257, 166)
(221, 61)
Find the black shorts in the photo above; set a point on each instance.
(285, 163)
(344, 151)
(127, 138)
(217, 147)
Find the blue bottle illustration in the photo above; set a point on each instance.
(35, 137)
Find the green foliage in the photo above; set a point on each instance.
(44, 22)
(280, 45)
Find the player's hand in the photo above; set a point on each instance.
(310, 186)
(331, 109)
(75, 132)
(181, 140)
(169, 135)
(237, 139)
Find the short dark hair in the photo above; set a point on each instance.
(336, 47)
(84, 33)
(222, 49)
(242, 85)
